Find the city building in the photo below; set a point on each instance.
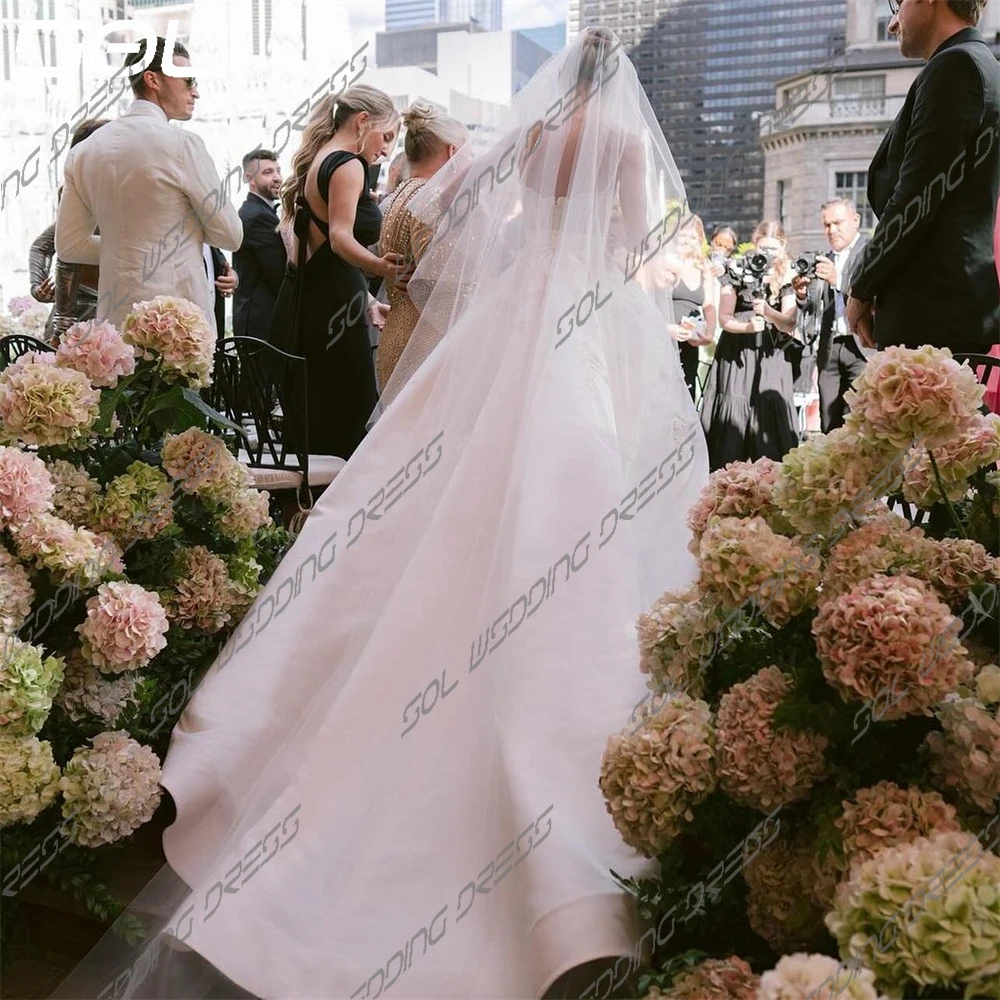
(829, 122)
(416, 46)
(400, 14)
(709, 69)
(549, 36)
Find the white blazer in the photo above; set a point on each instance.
(154, 193)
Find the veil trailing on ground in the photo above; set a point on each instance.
(580, 135)
(366, 799)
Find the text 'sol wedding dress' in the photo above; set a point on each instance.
(387, 784)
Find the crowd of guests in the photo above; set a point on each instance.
(320, 266)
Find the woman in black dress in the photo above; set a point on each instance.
(324, 304)
(749, 409)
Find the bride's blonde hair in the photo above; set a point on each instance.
(428, 129)
(328, 118)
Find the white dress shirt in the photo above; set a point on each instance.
(840, 262)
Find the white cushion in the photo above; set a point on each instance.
(323, 469)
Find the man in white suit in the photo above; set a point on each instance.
(153, 193)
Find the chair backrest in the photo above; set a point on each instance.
(251, 378)
(914, 514)
(983, 364)
(12, 347)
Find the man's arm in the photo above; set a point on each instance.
(75, 223)
(40, 255)
(200, 181)
(260, 236)
(947, 118)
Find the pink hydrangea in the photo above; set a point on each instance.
(828, 478)
(965, 755)
(124, 629)
(21, 304)
(906, 395)
(741, 489)
(202, 464)
(885, 815)
(175, 331)
(652, 778)
(956, 565)
(758, 765)
(203, 596)
(44, 405)
(713, 979)
(26, 487)
(16, 594)
(55, 545)
(97, 350)
(886, 544)
(75, 492)
(891, 634)
(742, 558)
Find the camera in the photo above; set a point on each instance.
(805, 265)
(748, 271)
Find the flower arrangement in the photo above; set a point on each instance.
(131, 540)
(846, 670)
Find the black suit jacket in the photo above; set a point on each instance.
(934, 184)
(260, 264)
(820, 307)
(219, 263)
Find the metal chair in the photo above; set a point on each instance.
(12, 347)
(983, 364)
(263, 390)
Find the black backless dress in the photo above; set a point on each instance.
(321, 313)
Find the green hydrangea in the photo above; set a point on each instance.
(29, 779)
(28, 684)
(136, 504)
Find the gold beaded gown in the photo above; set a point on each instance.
(402, 234)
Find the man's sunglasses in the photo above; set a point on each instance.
(894, 6)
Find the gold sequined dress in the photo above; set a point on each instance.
(400, 234)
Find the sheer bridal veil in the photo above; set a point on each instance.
(388, 778)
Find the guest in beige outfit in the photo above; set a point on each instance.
(153, 192)
(432, 139)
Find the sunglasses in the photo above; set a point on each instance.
(894, 6)
(191, 81)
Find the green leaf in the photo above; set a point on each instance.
(195, 400)
(106, 408)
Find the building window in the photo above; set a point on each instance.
(853, 185)
(784, 203)
(882, 18)
(858, 96)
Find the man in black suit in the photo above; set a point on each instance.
(840, 356)
(928, 274)
(260, 260)
(224, 281)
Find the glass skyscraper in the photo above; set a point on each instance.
(418, 13)
(709, 69)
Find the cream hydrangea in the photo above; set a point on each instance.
(757, 765)
(203, 465)
(924, 914)
(124, 629)
(173, 331)
(28, 683)
(29, 779)
(965, 755)
(109, 789)
(827, 477)
(742, 558)
(956, 565)
(26, 487)
(976, 445)
(75, 492)
(136, 505)
(243, 513)
(86, 692)
(203, 596)
(891, 633)
(677, 638)
(906, 395)
(41, 404)
(16, 594)
(807, 977)
(988, 684)
(653, 778)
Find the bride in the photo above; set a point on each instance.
(410, 727)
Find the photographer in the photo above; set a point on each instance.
(748, 411)
(822, 303)
(690, 280)
(723, 245)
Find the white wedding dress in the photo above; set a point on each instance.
(410, 722)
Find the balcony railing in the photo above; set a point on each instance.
(823, 110)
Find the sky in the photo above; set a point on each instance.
(368, 16)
